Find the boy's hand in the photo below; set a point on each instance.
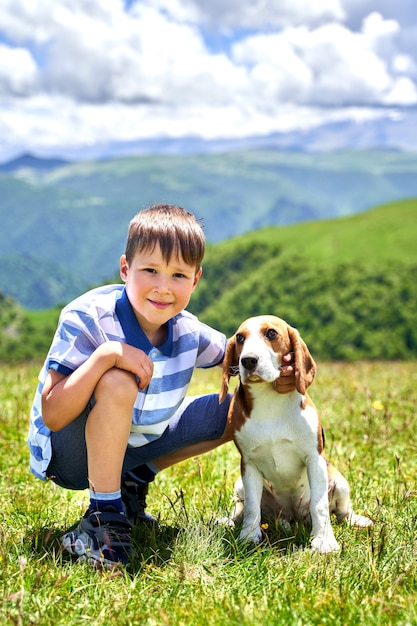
(286, 382)
(136, 361)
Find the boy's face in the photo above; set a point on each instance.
(157, 291)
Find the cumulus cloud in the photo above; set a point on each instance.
(18, 72)
(330, 65)
(78, 72)
(265, 13)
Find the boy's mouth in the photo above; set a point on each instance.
(160, 305)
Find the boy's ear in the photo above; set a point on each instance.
(197, 277)
(123, 267)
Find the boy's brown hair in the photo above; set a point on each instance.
(177, 231)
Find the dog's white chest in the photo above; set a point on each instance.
(278, 437)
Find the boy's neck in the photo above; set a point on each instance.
(157, 337)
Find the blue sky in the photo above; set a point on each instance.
(77, 76)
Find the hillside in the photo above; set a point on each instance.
(379, 237)
(64, 225)
(348, 284)
(384, 233)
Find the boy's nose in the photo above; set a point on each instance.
(162, 285)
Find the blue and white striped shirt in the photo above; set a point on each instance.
(105, 314)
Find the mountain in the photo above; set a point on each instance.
(29, 161)
(379, 238)
(64, 225)
(390, 130)
(348, 284)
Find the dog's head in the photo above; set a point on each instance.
(256, 349)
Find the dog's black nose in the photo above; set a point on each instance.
(249, 362)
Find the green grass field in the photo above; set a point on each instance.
(191, 571)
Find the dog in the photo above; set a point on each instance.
(284, 473)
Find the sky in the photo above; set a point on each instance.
(78, 76)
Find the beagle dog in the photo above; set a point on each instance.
(284, 473)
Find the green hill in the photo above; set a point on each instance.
(384, 233)
(24, 335)
(349, 285)
(64, 226)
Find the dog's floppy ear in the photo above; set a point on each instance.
(305, 366)
(230, 367)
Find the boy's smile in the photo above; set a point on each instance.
(160, 305)
(157, 290)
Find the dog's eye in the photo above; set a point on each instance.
(240, 338)
(271, 334)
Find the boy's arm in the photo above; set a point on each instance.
(65, 397)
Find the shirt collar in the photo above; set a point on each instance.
(133, 330)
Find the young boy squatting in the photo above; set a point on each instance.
(111, 410)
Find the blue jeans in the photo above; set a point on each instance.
(202, 419)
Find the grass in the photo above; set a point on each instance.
(385, 233)
(192, 571)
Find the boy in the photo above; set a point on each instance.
(111, 409)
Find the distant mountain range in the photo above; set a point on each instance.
(347, 283)
(29, 161)
(395, 131)
(398, 133)
(64, 224)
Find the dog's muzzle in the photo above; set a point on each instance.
(249, 362)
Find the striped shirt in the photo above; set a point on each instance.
(105, 314)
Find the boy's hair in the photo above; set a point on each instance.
(177, 231)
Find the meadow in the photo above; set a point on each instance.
(191, 570)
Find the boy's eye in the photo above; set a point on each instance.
(179, 275)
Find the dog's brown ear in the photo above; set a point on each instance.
(230, 367)
(305, 366)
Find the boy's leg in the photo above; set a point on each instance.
(98, 440)
(194, 449)
(108, 428)
(199, 427)
(102, 430)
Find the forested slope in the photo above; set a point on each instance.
(348, 284)
(63, 226)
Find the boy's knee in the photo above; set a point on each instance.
(118, 386)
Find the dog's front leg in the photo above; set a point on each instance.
(322, 532)
(253, 487)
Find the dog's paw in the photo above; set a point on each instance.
(359, 521)
(226, 521)
(324, 544)
(251, 535)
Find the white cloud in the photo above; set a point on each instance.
(79, 71)
(18, 72)
(346, 69)
(403, 92)
(262, 14)
(328, 66)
